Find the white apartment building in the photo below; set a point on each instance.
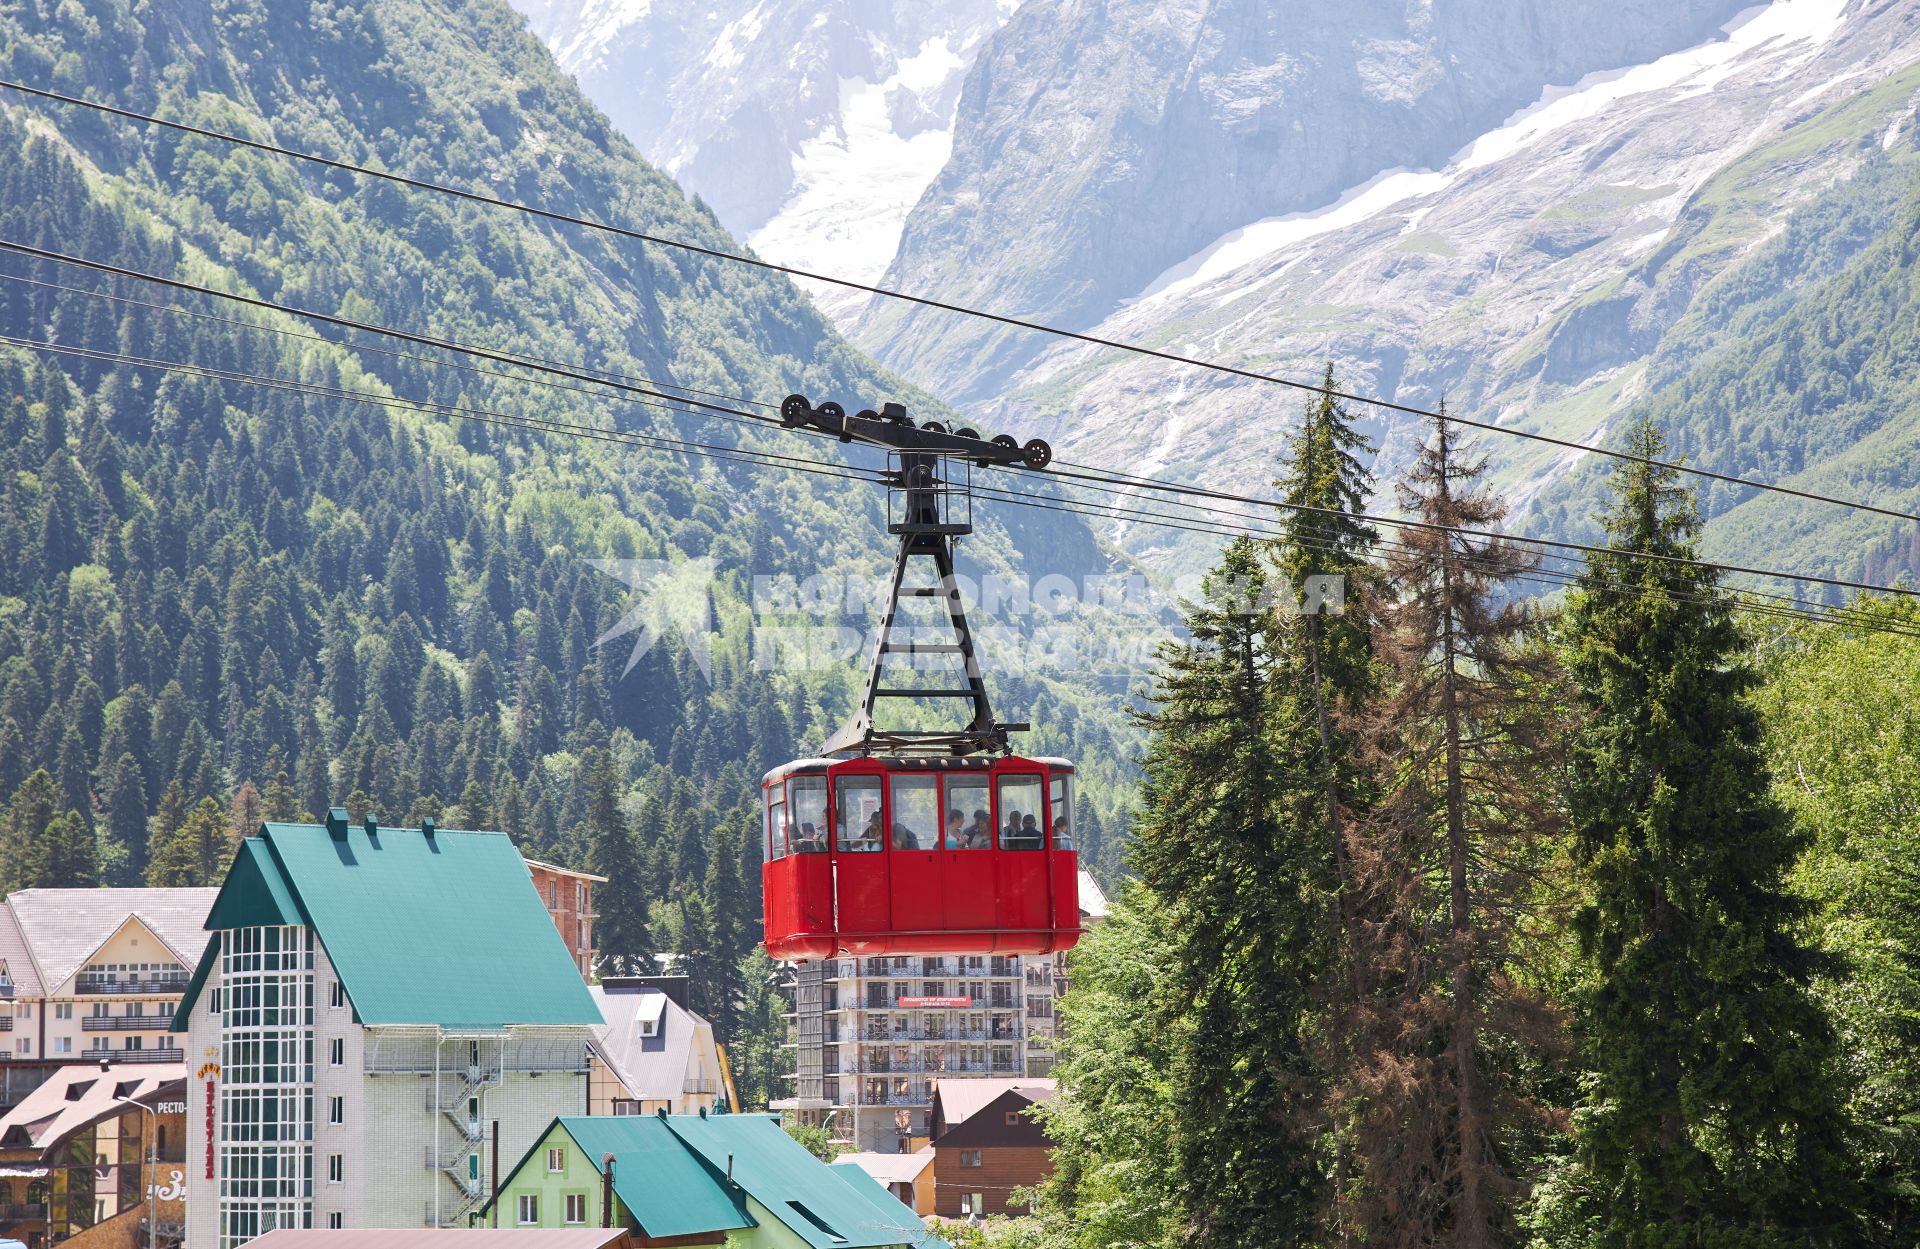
(872, 1036)
(373, 1006)
(92, 974)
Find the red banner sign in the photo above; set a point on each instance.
(932, 1001)
(209, 1129)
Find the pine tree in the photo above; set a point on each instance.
(1713, 1117)
(189, 853)
(621, 931)
(163, 828)
(43, 846)
(279, 803)
(1462, 748)
(1327, 663)
(1220, 845)
(245, 814)
(124, 820)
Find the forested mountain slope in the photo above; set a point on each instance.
(215, 595)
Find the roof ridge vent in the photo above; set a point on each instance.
(371, 824)
(337, 822)
(426, 825)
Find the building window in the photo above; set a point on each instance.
(333, 1220)
(63, 1010)
(336, 994)
(337, 1052)
(529, 1209)
(24, 1011)
(556, 1159)
(63, 1045)
(969, 1157)
(553, 894)
(26, 1046)
(134, 1042)
(576, 1208)
(336, 1168)
(336, 1109)
(1013, 1118)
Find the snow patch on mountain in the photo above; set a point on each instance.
(855, 182)
(1787, 30)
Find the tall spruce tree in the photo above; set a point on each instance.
(1223, 844)
(621, 932)
(1462, 749)
(1326, 660)
(1713, 1119)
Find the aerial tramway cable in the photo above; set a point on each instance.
(1795, 609)
(1014, 322)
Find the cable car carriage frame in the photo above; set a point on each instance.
(920, 841)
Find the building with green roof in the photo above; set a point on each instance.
(373, 1005)
(737, 1181)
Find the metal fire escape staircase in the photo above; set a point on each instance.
(448, 1097)
(929, 505)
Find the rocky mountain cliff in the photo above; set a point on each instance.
(810, 128)
(1099, 142)
(1591, 254)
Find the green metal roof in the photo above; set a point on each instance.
(665, 1186)
(886, 1206)
(442, 928)
(818, 1203)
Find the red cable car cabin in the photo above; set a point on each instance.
(892, 855)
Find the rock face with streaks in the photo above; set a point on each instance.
(1719, 239)
(799, 122)
(1100, 141)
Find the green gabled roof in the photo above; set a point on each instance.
(817, 1202)
(664, 1185)
(442, 928)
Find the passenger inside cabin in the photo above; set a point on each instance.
(1022, 833)
(869, 838)
(981, 835)
(956, 828)
(809, 841)
(903, 837)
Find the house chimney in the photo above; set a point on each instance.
(606, 1190)
(371, 825)
(337, 822)
(426, 825)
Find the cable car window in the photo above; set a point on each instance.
(967, 802)
(857, 821)
(1020, 813)
(916, 812)
(807, 799)
(777, 823)
(1062, 808)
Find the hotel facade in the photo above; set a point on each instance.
(374, 1005)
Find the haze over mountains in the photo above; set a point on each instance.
(1542, 213)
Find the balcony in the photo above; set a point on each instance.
(933, 969)
(173, 1055)
(98, 987)
(6, 1023)
(1006, 1032)
(125, 1023)
(6, 990)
